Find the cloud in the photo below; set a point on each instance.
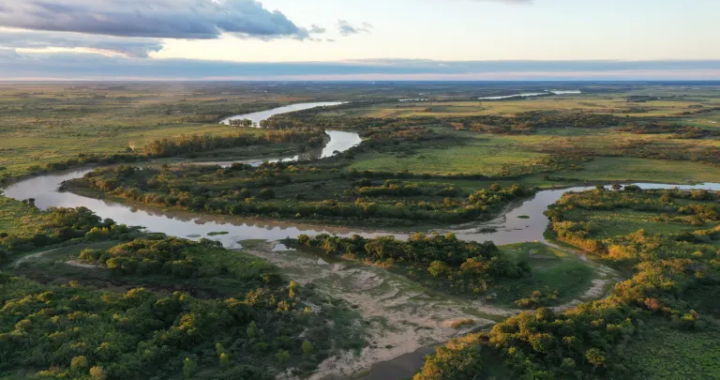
(347, 29)
(315, 29)
(130, 47)
(68, 66)
(8, 54)
(185, 19)
(506, 1)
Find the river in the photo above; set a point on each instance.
(509, 227)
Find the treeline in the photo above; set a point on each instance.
(450, 262)
(678, 131)
(60, 225)
(662, 202)
(183, 259)
(280, 190)
(202, 143)
(70, 331)
(671, 276)
(522, 123)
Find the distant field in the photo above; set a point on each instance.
(640, 169)
(615, 104)
(53, 122)
(616, 223)
(478, 157)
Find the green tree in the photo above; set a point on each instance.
(224, 360)
(308, 348)
(252, 330)
(282, 356)
(97, 373)
(189, 368)
(438, 268)
(79, 362)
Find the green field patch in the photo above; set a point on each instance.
(607, 224)
(475, 158)
(641, 169)
(552, 269)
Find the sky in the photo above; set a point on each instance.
(359, 39)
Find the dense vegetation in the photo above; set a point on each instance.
(60, 225)
(673, 276)
(289, 191)
(439, 261)
(268, 325)
(72, 331)
(189, 144)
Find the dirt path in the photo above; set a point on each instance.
(33, 256)
(75, 263)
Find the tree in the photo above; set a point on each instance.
(224, 360)
(97, 373)
(189, 368)
(307, 348)
(595, 357)
(457, 363)
(438, 268)
(252, 330)
(282, 356)
(79, 362)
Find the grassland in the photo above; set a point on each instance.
(606, 224)
(615, 104)
(478, 157)
(16, 217)
(627, 169)
(48, 123)
(552, 270)
(496, 156)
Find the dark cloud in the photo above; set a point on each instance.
(84, 66)
(188, 19)
(347, 29)
(131, 47)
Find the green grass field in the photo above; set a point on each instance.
(16, 217)
(641, 169)
(44, 123)
(477, 157)
(615, 104)
(607, 224)
(551, 269)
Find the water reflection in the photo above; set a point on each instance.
(257, 117)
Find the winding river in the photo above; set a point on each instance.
(508, 227)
